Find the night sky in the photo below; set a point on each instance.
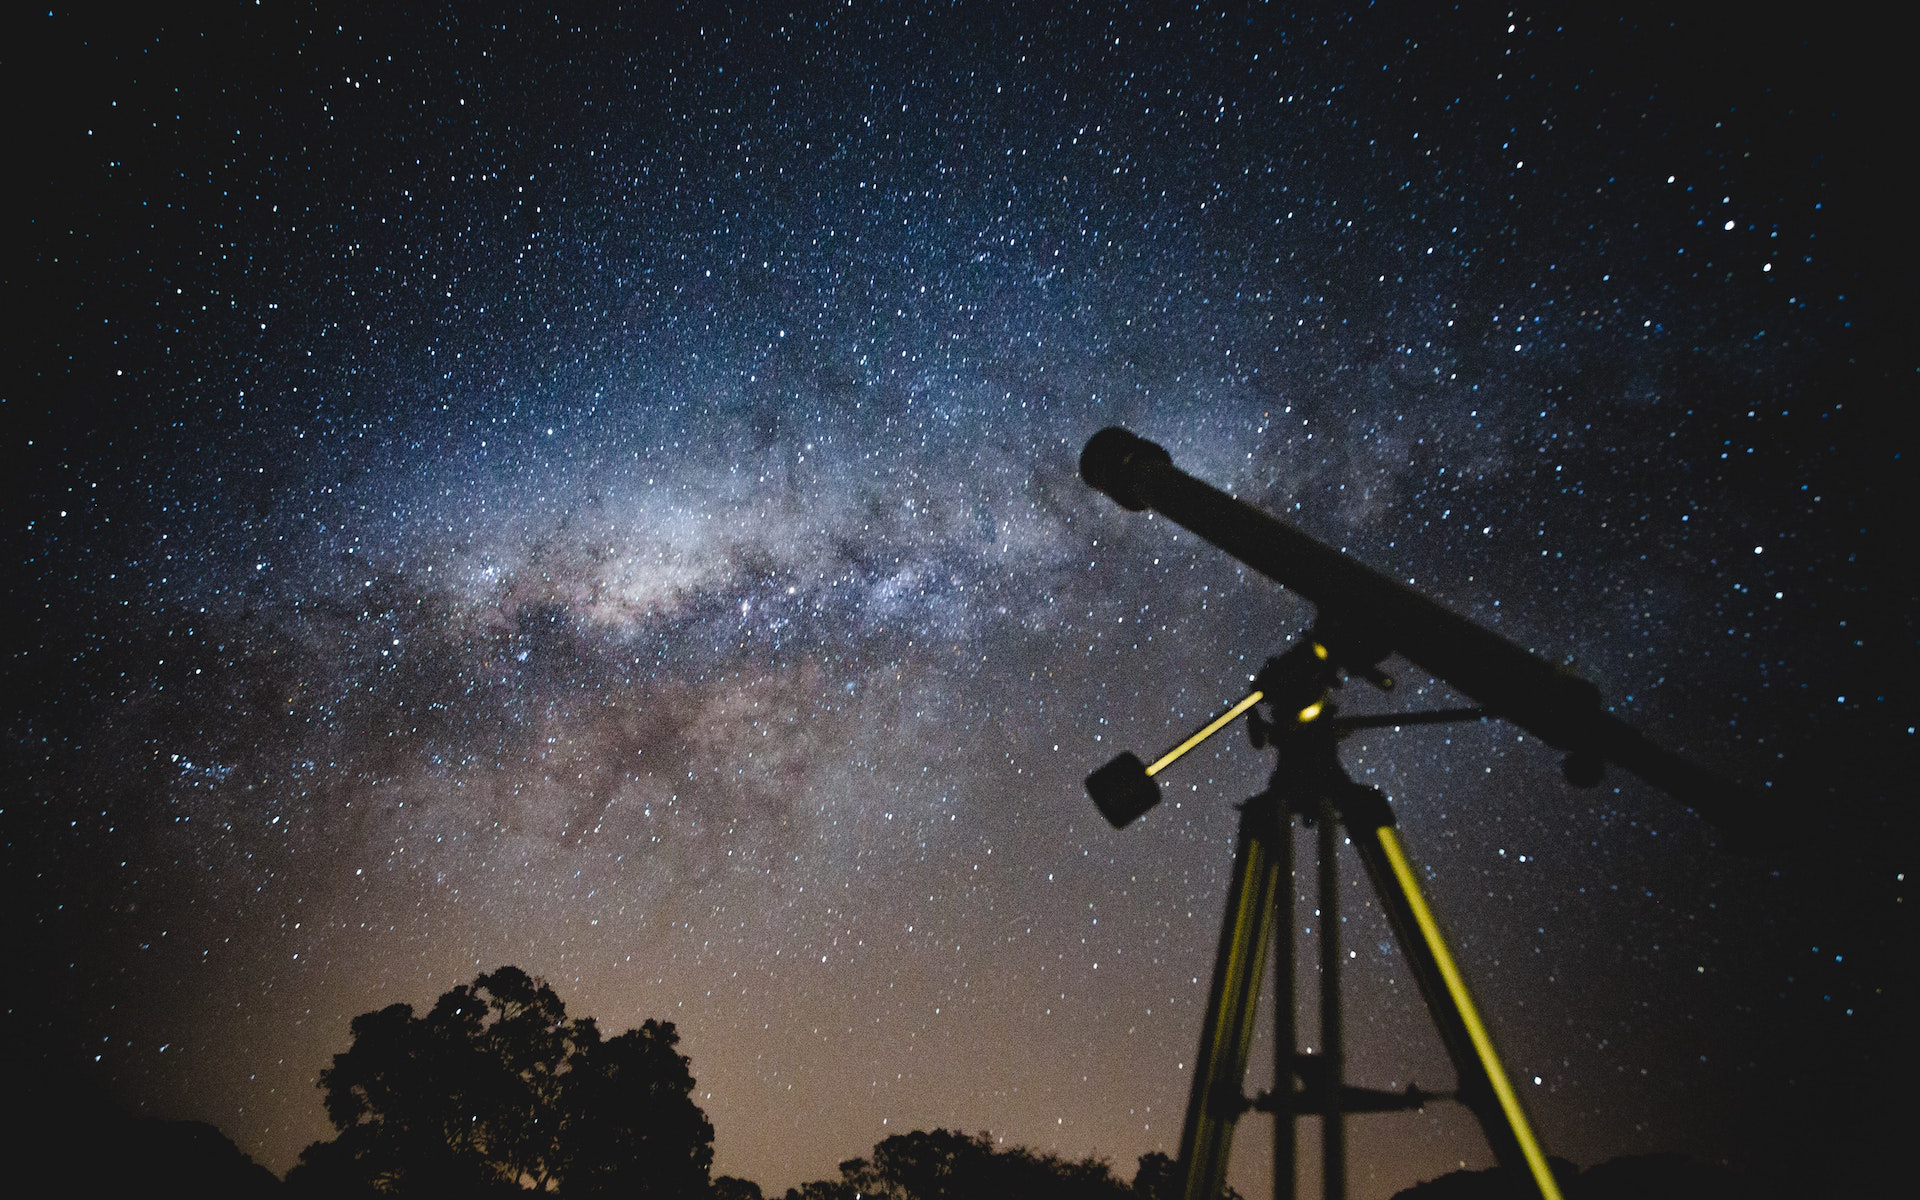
(598, 492)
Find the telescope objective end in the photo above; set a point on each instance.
(1112, 462)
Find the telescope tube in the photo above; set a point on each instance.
(1364, 616)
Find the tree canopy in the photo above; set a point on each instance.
(497, 1092)
(944, 1165)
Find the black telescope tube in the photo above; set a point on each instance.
(1384, 616)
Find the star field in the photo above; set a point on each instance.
(596, 491)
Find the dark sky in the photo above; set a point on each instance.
(597, 492)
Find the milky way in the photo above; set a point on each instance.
(598, 493)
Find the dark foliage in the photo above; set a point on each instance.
(1158, 1177)
(1643, 1177)
(496, 1092)
(943, 1165)
(631, 1129)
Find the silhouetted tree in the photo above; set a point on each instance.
(823, 1189)
(632, 1128)
(922, 1166)
(496, 1092)
(730, 1187)
(944, 1165)
(1158, 1177)
(405, 1098)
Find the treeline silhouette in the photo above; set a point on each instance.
(943, 1165)
(1640, 1177)
(497, 1092)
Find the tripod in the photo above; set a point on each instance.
(1308, 782)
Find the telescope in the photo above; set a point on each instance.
(1361, 617)
(1365, 616)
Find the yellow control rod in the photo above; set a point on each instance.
(1204, 732)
